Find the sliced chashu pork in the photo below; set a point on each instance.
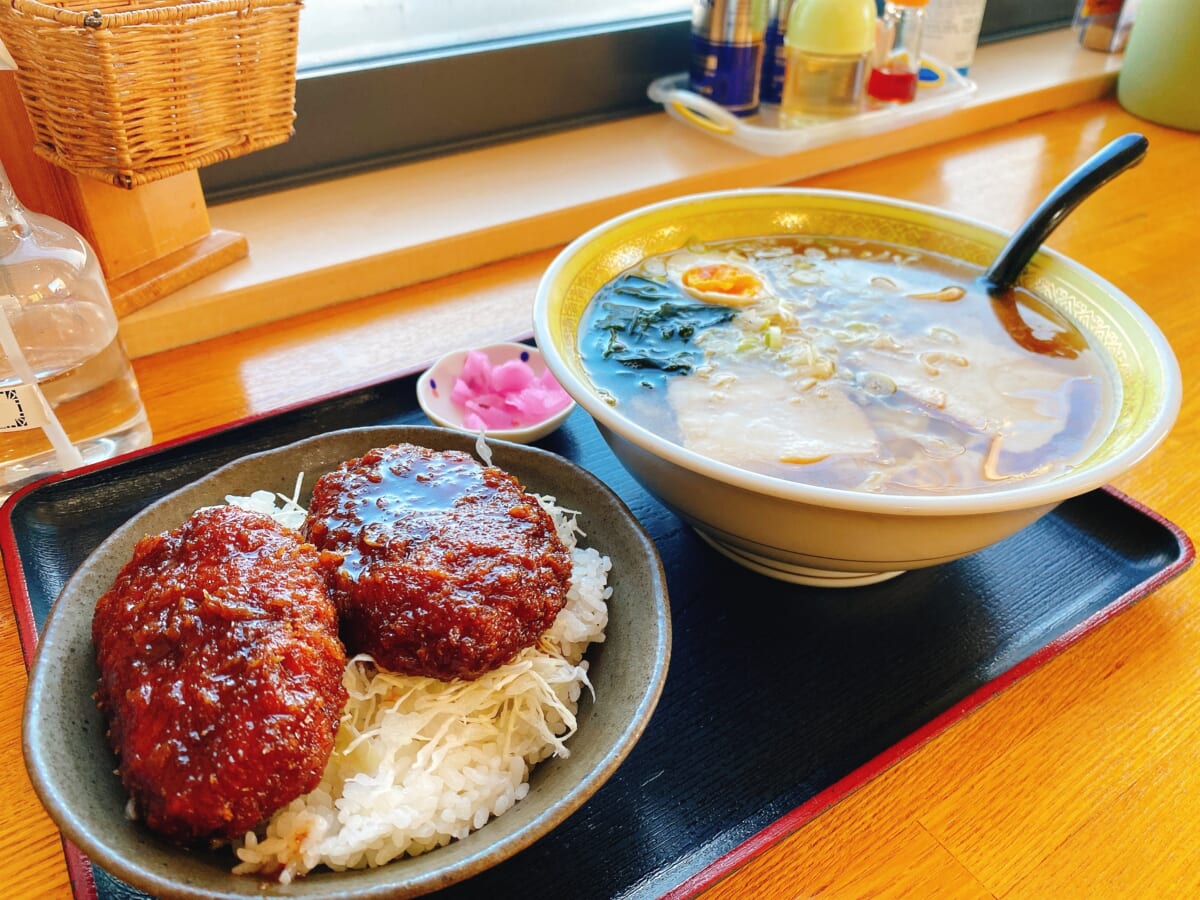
(995, 390)
(759, 417)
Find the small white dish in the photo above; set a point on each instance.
(436, 383)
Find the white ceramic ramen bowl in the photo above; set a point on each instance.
(829, 536)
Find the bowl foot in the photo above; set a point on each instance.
(795, 574)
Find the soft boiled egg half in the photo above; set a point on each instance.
(716, 278)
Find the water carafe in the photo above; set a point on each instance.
(68, 395)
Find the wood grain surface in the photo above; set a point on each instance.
(1081, 780)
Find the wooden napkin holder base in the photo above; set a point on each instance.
(151, 240)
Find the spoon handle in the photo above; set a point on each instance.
(1116, 157)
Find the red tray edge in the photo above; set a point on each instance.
(79, 868)
(757, 844)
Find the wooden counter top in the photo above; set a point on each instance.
(1082, 779)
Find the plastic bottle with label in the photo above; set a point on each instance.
(829, 44)
(68, 395)
(952, 31)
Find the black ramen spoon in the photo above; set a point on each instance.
(1123, 153)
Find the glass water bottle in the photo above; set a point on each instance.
(68, 395)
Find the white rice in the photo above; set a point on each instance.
(419, 762)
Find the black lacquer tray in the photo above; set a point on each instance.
(780, 699)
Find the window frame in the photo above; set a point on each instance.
(352, 118)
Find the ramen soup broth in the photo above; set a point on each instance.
(847, 363)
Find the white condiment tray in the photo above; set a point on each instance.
(941, 89)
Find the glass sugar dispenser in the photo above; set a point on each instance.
(828, 45)
(68, 395)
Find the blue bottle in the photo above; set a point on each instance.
(727, 52)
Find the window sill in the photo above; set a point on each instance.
(315, 246)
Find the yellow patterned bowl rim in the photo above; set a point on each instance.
(1140, 354)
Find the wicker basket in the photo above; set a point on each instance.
(131, 91)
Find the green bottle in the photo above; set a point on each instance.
(1161, 70)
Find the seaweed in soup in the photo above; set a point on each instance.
(648, 327)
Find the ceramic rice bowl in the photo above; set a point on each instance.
(71, 765)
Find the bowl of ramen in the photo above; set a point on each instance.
(815, 381)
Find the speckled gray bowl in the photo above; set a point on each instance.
(72, 768)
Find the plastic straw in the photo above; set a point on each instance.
(67, 453)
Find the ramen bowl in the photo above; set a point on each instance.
(836, 536)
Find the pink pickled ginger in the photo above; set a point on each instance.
(510, 395)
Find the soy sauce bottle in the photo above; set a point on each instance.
(897, 62)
